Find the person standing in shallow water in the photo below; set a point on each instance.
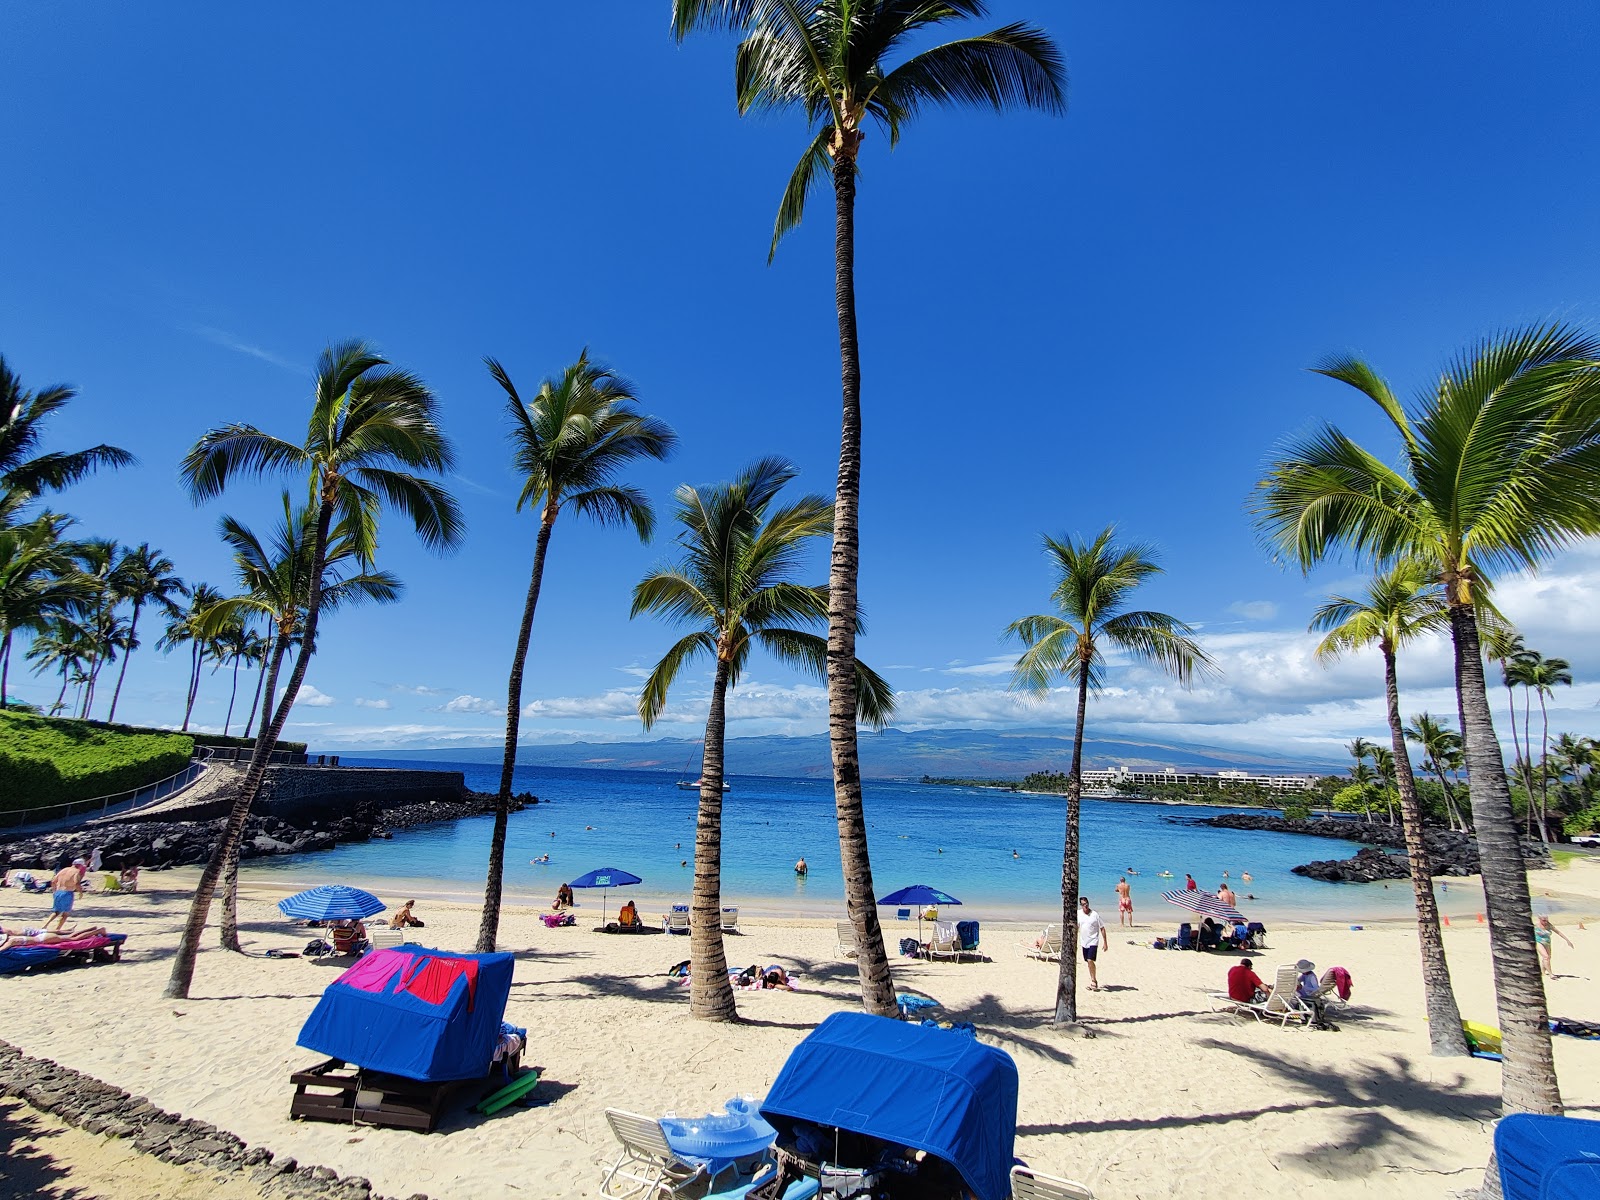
(800, 867)
(1190, 884)
(1124, 903)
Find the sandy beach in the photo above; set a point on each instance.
(1166, 1099)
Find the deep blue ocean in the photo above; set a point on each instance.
(989, 848)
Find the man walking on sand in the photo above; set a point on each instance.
(1124, 903)
(65, 890)
(1092, 938)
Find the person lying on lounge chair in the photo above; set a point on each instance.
(629, 916)
(19, 935)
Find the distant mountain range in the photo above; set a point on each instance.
(893, 754)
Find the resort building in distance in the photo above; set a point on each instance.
(1123, 778)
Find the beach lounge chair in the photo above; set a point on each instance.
(676, 921)
(902, 914)
(1047, 946)
(1210, 938)
(846, 933)
(1285, 1005)
(730, 918)
(1258, 936)
(96, 949)
(946, 942)
(647, 1167)
(1186, 940)
(384, 937)
(1028, 1184)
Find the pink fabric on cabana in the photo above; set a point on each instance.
(373, 972)
(88, 943)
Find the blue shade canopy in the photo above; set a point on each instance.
(330, 902)
(422, 1014)
(918, 893)
(605, 877)
(1206, 904)
(937, 1090)
(1548, 1158)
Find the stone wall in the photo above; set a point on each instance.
(333, 791)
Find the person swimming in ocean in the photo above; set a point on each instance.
(540, 861)
(1014, 854)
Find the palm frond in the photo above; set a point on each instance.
(429, 505)
(814, 167)
(653, 699)
(625, 505)
(1015, 66)
(670, 593)
(1161, 640)
(221, 454)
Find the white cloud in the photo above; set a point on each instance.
(997, 665)
(363, 702)
(470, 704)
(1254, 610)
(311, 698)
(609, 705)
(416, 689)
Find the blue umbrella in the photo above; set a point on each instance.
(604, 878)
(920, 895)
(330, 902)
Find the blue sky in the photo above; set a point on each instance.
(1065, 322)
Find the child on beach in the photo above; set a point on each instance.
(1542, 929)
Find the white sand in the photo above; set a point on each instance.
(1167, 1100)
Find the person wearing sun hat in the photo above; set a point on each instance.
(1309, 989)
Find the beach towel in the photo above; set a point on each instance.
(372, 974)
(434, 977)
(1341, 982)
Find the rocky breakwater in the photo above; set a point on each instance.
(159, 844)
(1449, 852)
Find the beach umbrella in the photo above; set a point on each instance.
(330, 902)
(604, 878)
(1207, 904)
(920, 895)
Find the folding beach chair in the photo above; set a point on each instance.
(846, 933)
(1047, 946)
(384, 937)
(902, 914)
(1028, 1184)
(1285, 1005)
(730, 918)
(676, 921)
(647, 1167)
(945, 942)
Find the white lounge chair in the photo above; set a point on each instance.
(730, 918)
(647, 1168)
(383, 937)
(846, 933)
(675, 921)
(1047, 946)
(1028, 1184)
(1285, 1005)
(945, 943)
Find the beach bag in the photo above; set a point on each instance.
(909, 947)
(315, 947)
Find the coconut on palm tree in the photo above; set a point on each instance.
(842, 64)
(372, 435)
(570, 442)
(1497, 470)
(1095, 582)
(1399, 606)
(734, 584)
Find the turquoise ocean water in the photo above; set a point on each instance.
(999, 852)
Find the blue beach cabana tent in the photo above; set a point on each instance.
(1548, 1158)
(421, 1014)
(936, 1090)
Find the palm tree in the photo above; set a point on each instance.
(569, 444)
(1095, 581)
(1497, 470)
(25, 473)
(188, 628)
(1361, 750)
(143, 576)
(97, 560)
(39, 581)
(830, 61)
(734, 584)
(1439, 745)
(1398, 607)
(1541, 676)
(1506, 647)
(1383, 767)
(60, 645)
(372, 428)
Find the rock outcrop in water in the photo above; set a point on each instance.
(155, 845)
(1449, 852)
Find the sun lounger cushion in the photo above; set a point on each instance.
(20, 958)
(1548, 1158)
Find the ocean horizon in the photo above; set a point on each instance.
(997, 851)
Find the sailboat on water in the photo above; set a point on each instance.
(693, 785)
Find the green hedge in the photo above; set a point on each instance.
(46, 761)
(200, 739)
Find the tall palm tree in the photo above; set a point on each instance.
(39, 581)
(60, 645)
(1383, 767)
(1398, 607)
(372, 429)
(1498, 469)
(26, 473)
(734, 583)
(1439, 745)
(143, 576)
(1095, 583)
(1541, 676)
(833, 62)
(97, 561)
(570, 443)
(1506, 647)
(188, 628)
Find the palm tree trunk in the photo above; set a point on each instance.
(232, 696)
(872, 961)
(1544, 775)
(189, 945)
(194, 683)
(284, 639)
(122, 673)
(489, 925)
(5, 666)
(710, 994)
(261, 678)
(1528, 1072)
(61, 696)
(1067, 977)
(1444, 1017)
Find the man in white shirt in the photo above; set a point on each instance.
(1092, 938)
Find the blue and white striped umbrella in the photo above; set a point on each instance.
(330, 902)
(1206, 904)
